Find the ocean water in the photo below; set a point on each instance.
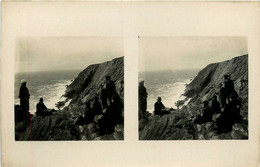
(169, 85)
(48, 85)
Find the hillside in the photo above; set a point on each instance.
(179, 125)
(61, 125)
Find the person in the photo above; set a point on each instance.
(222, 95)
(142, 104)
(234, 108)
(24, 96)
(230, 115)
(112, 116)
(89, 114)
(159, 108)
(215, 106)
(110, 88)
(103, 97)
(97, 107)
(229, 86)
(206, 115)
(40, 108)
(207, 112)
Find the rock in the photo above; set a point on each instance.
(62, 124)
(215, 117)
(180, 125)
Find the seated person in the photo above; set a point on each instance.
(41, 108)
(215, 106)
(159, 108)
(206, 115)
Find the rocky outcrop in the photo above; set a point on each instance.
(62, 124)
(88, 83)
(179, 125)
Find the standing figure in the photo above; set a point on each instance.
(229, 86)
(222, 95)
(89, 114)
(142, 105)
(103, 97)
(97, 107)
(24, 96)
(110, 88)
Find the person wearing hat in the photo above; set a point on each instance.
(24, 96)
(215, 106)
(110, 88)
(222, 95)
(206, 115)
(142, 95)
(229, 86)
(206, 112)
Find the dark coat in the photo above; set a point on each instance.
(40, 108)
(97, 107)
(158, 108)
(24, 98)
(215, 106)
(142, 97)
(110, 89)
(207, 114)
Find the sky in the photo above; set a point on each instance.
(178, 53)
(64, 53)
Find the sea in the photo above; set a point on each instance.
(49, 85)
(169, 85)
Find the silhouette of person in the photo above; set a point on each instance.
(24, 96)
(97, 107)
(110, 88)
(103, 97)
(40, 108)
(215, 106)
(159, 108)
(142, 99)
(89, 114)
(206, 112)
(229, 86)
(206, 115)
(222, 95)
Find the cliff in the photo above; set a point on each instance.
(62, 124)
(179, 125)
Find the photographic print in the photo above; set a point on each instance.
(193, 88)
(69, 88)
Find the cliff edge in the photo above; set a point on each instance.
(61, 124)
(179, 125)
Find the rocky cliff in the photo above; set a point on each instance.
(179, 125)
(61, 124)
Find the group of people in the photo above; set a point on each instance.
(226, 102)
(228, 106)
(159, 108)
(24, 97)
(111, 108)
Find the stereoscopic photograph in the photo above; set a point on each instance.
(69, 88)
(193, 88)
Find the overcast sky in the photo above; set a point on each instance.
(176, 53)
(65, 53)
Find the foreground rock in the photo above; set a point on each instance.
(61, 124)
(179, 125)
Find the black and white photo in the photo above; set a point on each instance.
(69, 88)
(193, 88)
